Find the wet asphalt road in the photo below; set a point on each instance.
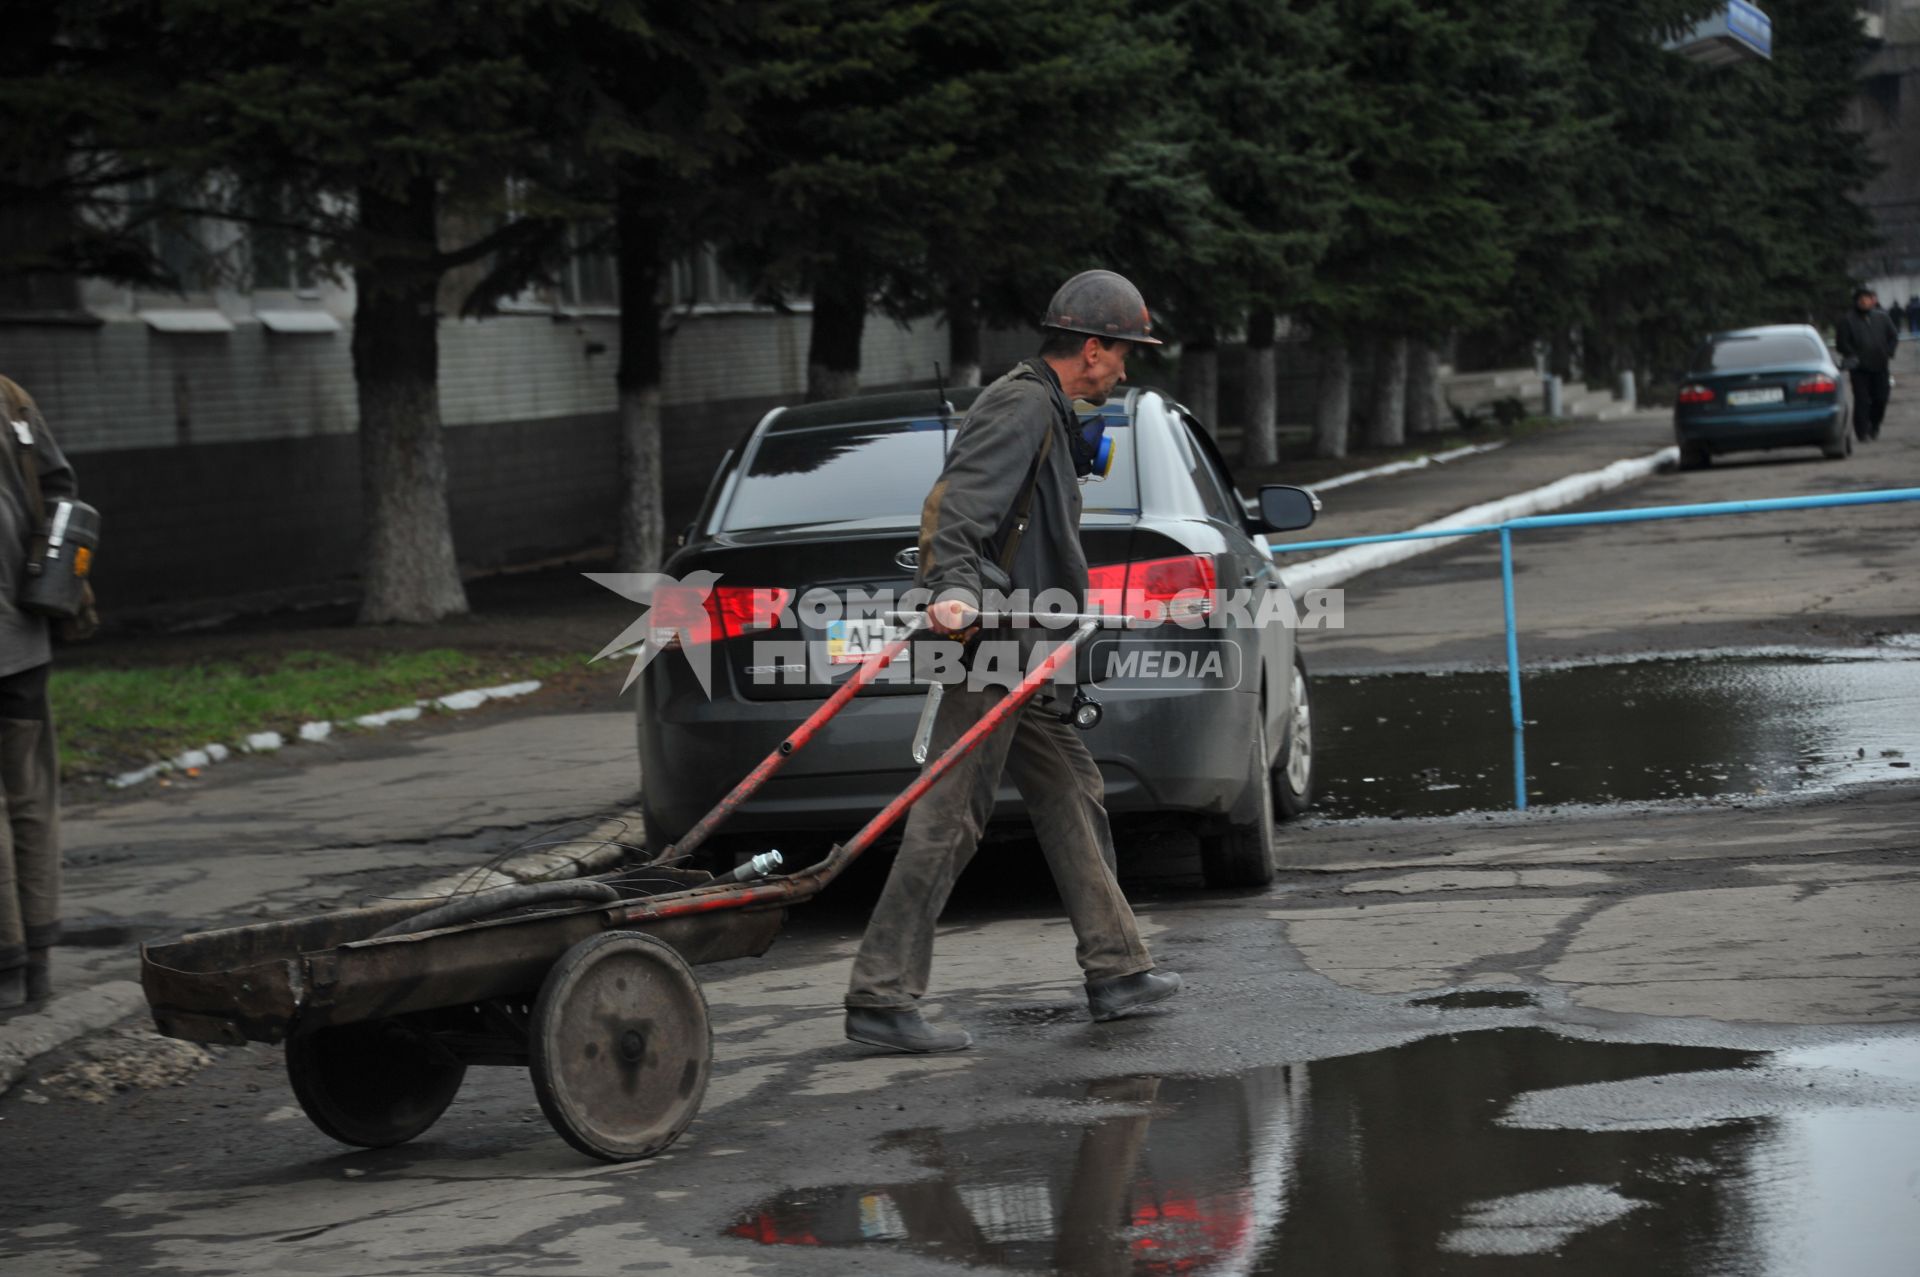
(1675, 1043)
(1830, 578)
(1676, 1037)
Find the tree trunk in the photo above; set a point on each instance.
(1387, 428)
(1333, 399)
(1424, 414)
(642, 255)
(1200, 379)
(408, 561)
(833, 351)
(1260, 445)
(963, 337)
(1560, 352)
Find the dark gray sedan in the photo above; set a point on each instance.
(1207, 722)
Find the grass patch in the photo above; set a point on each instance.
(112, 720)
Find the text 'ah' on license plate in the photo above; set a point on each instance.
(1767, 394)
(851, 642)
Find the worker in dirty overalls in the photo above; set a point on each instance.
(1021, 434)
(29, 766)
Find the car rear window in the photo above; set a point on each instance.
(1763, 351)
(836, 474)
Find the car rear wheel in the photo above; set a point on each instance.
(1293, 771)
(1693, 456)
(1242, 855)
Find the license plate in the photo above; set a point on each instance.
(851, 642)
(1743, 398)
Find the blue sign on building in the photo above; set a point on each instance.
(1739, 33)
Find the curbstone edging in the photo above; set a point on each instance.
(321, 729)
(64, 1019)
(1344, 565)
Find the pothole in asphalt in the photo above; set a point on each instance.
(1441, 744)
(1044, 1015)
(1452, 1153)
(1478, 999)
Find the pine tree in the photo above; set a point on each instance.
(366, 123)
(670, 88)
(1260, 100)
(74, 78)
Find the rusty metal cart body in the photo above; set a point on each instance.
(586, 982)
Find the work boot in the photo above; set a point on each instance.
(902, 1029)
(13, 988)
(39, 976)
(1112, 998)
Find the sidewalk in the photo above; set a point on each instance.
(1395, 503)
(345, 821)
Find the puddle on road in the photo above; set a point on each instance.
(1436, 745)
(1452, 1154)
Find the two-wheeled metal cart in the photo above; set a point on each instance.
(587, 982)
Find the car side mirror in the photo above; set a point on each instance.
(1287, 509)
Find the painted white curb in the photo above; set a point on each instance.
(1412, 463)
(320, 729)
(1344, 565)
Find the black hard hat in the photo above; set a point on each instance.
(1101, 304)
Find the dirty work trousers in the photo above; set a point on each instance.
(1061, 786)
(30, 832)
(1871, 388)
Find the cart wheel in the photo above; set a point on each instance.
(373, 1084)
(620, 1046)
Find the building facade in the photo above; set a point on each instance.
(1888, 114)
(216, 430)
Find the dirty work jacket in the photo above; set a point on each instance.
(1869, 337)
(23, 636)
(970, 511)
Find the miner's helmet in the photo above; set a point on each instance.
(1101, 304)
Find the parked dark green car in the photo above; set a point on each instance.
(1762, 388)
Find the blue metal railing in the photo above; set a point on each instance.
(1506, 530)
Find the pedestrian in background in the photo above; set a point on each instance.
(1867, 340)
(1898, 314)
(29, 765)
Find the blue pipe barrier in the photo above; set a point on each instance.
(1764, 505)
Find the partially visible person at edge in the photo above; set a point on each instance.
(969, 515)
(1867, 340)
(1913, 314)
(29, 766)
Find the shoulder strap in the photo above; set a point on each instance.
(19, 409)
(1024, 510)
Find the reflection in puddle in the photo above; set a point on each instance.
(1434, 745)
(1449, 1154)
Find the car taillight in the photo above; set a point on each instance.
(741, 609)
(727, 612)
(1157, 589)
(1696, 393)
(1818, 384)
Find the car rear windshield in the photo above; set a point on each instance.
(1766, 350)
(835, 474)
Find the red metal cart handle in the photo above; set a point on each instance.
(769, 892)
